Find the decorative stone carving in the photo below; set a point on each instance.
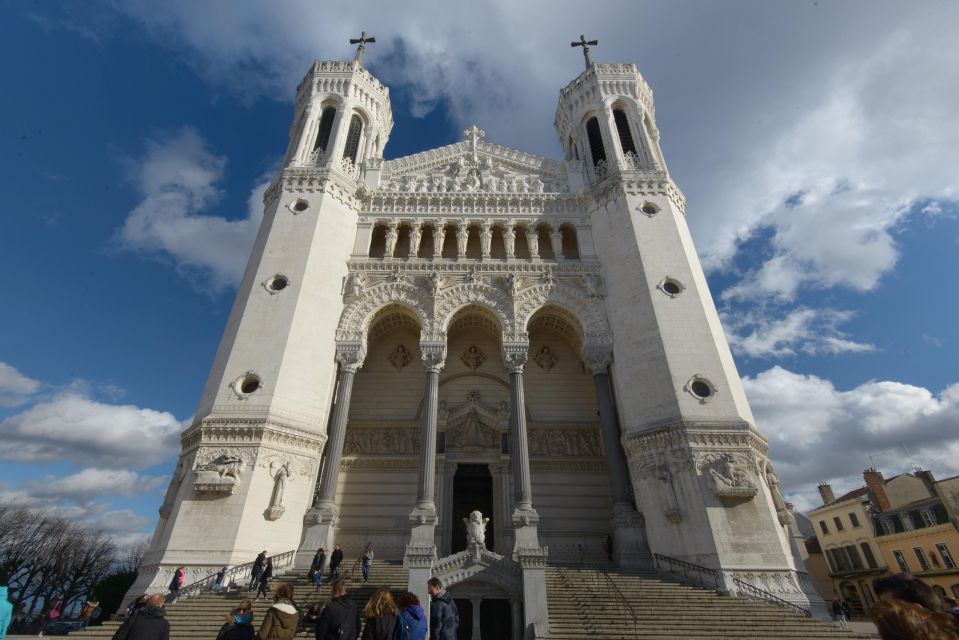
(280, 470)
(509, 240)
(396, 275)
(727, 476)
(400, 357)
(579, 443)
(415, 235)
(476, 530)
(168, 499)
(388, 441)
(350, 355)
(434, 283)
(597, 358)
(474, 426)
(434, 355)
(593, 284)
(220, 474)
(545, 358)
(473, 358)
(514, 356)
(353, 285)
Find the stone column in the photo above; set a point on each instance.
(486, 238)
(630, 547)
(421, 550)
(476, 633)
(526, 548)
(517, 619)
(532, 239)
(321, 519)
(391, 234)
(439, 236)
(556, 237)
(509, 239)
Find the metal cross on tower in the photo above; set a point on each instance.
(585, 44)
(362, 40)
(474, 134)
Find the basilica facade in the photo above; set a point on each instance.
(475, 328)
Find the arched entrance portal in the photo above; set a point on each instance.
(472, 490)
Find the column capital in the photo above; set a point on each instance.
(597, 358)
(515, 355)
(350, 355)
(434, 355)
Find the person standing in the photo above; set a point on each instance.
(281, 619)
(148, 624)
(839, 613)
(608, 547)
(381, 616)
(257, 570)
(444, 617)
(367, 561)
(178, 576)
(52, 613)
(218, 580)
(6, 609)
(239, 624)
(336, 558)
(340, 619)
(316, 568)
(265, 578)
(412, 614)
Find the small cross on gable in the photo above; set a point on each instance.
(474, 134)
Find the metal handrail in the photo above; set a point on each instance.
(677, 567)
(611, 587)
(754, 592)
(280, 561)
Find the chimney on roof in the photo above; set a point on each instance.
(877, 488)
(826, 492)
(926, 476)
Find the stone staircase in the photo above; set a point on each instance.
(200, 617)
(583, 606)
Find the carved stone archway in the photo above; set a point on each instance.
(360, 311)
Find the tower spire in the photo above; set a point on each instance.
(585, 44)
(362, 41)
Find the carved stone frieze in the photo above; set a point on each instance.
(473, 358)
(389, 464)
(218, 471)
(400, 357)
(728, 474)
(579, 443)
(384, 441)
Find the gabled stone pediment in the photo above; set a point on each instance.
(474, 425)
(460, 167)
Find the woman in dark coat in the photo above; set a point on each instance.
(239, 624)
(265, 578)
(380, 613)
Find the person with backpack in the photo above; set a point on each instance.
(257, 570)
(282, 619)
(265, 578)
(367, 561)
(239, 624)
(381, 616)
(444, 617)
(336, 558)
(52, 613)
(412, 618)
(316, 568)
(340, 619)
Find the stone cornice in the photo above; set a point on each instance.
(252, 431)
(442, 155)
(637, 183)
(475, 203)
(304, 179)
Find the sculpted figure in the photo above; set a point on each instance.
(476, 529)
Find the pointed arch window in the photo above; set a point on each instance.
(596, 148)
(326, 128)
(625, 135)
(353, 138)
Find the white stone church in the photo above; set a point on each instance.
(475, 328)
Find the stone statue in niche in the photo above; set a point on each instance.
(476, 530)
(545, 358)
(434, 282)
(280, 470)
(400, 357)
(219, 475)
(729, 480)
(473, 358)
(782, 513)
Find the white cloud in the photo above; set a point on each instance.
(73, 427)
(82, 487)
(818, 433)
(801, 330)
(15, 388)
(178, 178)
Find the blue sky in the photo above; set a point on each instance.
(815, 142)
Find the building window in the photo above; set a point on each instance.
(625, 135)
(596, 148)
(927, 518)
(838, 523)
(854, 520)
(353, 138)
(946, 556)
(886, 527)
(901, 561)
(854, 558)
(839, 560)
(822, 525)
(921, 557)
(326, 128)
(868, 555)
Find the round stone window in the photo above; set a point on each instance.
(701, 388)
(671, 287)
(277, 283)
(299, 205)
(649, 208)
(247, 384)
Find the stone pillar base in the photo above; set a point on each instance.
(319, 527)
(630, 547)
(532, 560)
(420, 554)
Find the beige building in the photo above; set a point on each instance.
(903, 524)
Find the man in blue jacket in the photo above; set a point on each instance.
(444, 618)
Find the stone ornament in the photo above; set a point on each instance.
(473, 358)
(727, 476)
(568, 443)
(476, 530)
(381, 442)
(220, 474)
(280, 471)
(545, 358)
(400, 357)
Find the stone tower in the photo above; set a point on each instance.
(474, 328)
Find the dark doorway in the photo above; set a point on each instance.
(472, 489)
(465, 609)
(496, 619)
